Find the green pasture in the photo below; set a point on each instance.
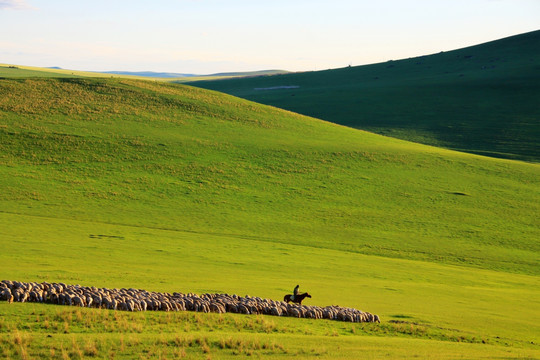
(43, 331)
(455, 308)
(126, 183)
(481, 99)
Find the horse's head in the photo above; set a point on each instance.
(307, 295)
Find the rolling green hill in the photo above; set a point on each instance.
(200, 161)
(481, 99)
(127, 183)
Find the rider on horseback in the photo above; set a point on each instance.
(295, 293)
(296, 298)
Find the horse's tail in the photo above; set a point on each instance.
(287, 298)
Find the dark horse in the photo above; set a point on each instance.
(297, 299)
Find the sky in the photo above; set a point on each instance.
(211, 36)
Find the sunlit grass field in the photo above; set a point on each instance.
(125, 183)
(54, 332)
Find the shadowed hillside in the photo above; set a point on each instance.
(481, 99)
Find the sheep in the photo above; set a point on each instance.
(77, 301)
(122, 306)
(34, 296)
(5, 294)
(141, 300)
(181, 305)
(164, 306)
(20, 295)
(216, 307)
(96, 300)
(293, 312)
(242, 309)
(7, 284)
(130, 305)
(231, 307)
(276, 311)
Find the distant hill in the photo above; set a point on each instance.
(18, 71)
(481, 99)
(11, 71)
(251, 73)
(148, 74)
(179, 75)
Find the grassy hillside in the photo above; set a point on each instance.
(125, 183)
(481, 99)
(117, 151)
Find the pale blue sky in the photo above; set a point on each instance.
(208, 36)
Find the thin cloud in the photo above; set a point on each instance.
(14, 5)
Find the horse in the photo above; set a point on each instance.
(297, 299)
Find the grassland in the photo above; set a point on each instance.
(481, 99)
(51, 332)
(125, 183)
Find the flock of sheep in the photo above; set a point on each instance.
(142, 300)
